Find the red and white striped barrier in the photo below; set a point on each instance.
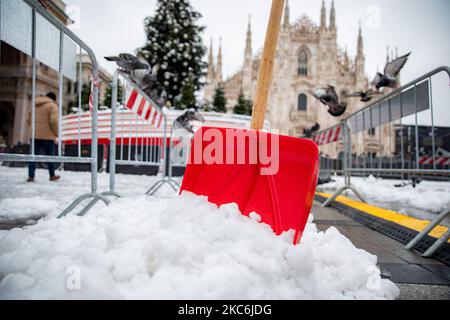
(144, 108)
(440, 161)
(328, 136)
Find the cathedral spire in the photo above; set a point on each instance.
(323, 17)
(360, 45)
(360, 60)
(388, 59)
(333, 17)
(286, 15)
(248, 45)
(248, 62)
(211, 72)
(219, 63)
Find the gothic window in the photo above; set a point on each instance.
(302, 102)
(303, 63)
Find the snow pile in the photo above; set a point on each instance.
(21, 201)
(423, 202)
(183, 248)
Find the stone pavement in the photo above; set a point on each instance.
(417, 277)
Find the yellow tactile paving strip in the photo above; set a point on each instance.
(392, 216)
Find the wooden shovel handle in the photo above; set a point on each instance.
(267, 63)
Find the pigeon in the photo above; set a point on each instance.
(149, 81)
(329, 98)
(310, 132)
(184, 120)
(128, 63)
(366, 96)
(391, 72)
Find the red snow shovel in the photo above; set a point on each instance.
(271, 175)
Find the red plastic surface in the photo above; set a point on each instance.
(283, 200)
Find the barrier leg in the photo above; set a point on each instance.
(427, 230)
(437, 245)
(331, 200)
(356, 192)
(78, 201)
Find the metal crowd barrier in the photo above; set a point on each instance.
(336, 140)
(27, 26)
(141, 139)
(386, 139)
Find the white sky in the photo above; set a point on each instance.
(421, 26)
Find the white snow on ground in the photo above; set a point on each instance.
(169, 248)
(24, 201)
(424, 202)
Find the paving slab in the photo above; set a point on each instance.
(417, 277)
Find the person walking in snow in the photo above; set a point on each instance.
(46, 132)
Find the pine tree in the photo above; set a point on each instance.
(219, 101)
(244, 106)
(174, 42)
(85, 93)
(108, 95)
(187, 99)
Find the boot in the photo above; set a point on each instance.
(30, 180)
(55, 178)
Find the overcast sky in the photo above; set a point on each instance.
(421, 26)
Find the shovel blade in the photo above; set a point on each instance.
(279, 185)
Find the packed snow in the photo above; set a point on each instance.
(428, 199)
(177, 247)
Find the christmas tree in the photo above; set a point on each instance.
(174, 42)
(243, 106)
(219, 101)
(187, 99)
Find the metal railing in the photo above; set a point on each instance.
(380, 140)
(28, 26)
(142, 138)
(336, 137)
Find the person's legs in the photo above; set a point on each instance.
(50, 151)
(32, 165)
(31, 170)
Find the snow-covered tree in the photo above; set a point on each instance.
(244, 106)
(174, 42)
(219, 101)
(187, 99)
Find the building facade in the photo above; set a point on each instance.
(16, 84)
(308, 58)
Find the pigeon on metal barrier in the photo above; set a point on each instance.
(329, 98)
(308, 133)
(128, 63)
(183, 121)
(149, 80)
(391, 72)
(366, 96)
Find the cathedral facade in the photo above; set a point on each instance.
(308, 58)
